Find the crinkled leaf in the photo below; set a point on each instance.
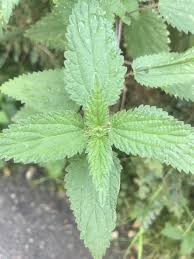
(119, 8)
(100, 159)
(6, 8)
(146, 34)
(50, 30)
(97, 113)
(150, 132)
(24, 113)
(43, 137)
(173, 232)
(94, 221)
(40, 91)
(131, 11)
(172, 72)
(111, 7)
(178, 13)
(92, 53)
(99, 147)
(187, 245)
(131, 5)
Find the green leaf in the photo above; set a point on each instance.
(3, 118)
(92, 53)
(131, 5)
(187, 245)
(131, 10)
(55, 168)
(150, 132)
(94, 221)
(6, 8)
(172, 232)
(172, 72)
(50, 30)
(146, 34)
(119, 8)
(43, 137)
(178, 13)
(111, 8)
(99, 147)
(40, 91)
(100, 159)
(97, 113)
(24, 113)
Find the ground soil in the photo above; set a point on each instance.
(35, 223)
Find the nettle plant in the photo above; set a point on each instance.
(51, 126)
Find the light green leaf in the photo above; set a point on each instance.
(3, 118)
(131, 10)
(100, 159)
(147, 34)
(111, 7)
(178, 13)
(187, 245)
(24, 113)
(50, 30)
(6, 8)
(172, 72)
(150, 132)
(96, 112)
(40, 91)
(131, 5)
(92, 53)
(99, 147)
(55, 168)
(173, 232)
(42, 138)
(119, 8)
(94, 221)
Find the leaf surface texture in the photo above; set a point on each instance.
(92, 55)
(172, 72)
(43, 137)
(40, 91)
(150, 132)
(178, 13)
(95, 222)
(147, 34)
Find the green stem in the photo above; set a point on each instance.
(189, 227)
(140, 245)
(158, 191)
(136, 237)
(188, 211)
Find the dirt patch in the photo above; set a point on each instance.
(34, 224)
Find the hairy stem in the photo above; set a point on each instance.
(124, 97)
(189, 227)
(119, 28)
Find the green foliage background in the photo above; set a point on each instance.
(155, 207)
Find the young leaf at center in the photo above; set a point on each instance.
(99, 145)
